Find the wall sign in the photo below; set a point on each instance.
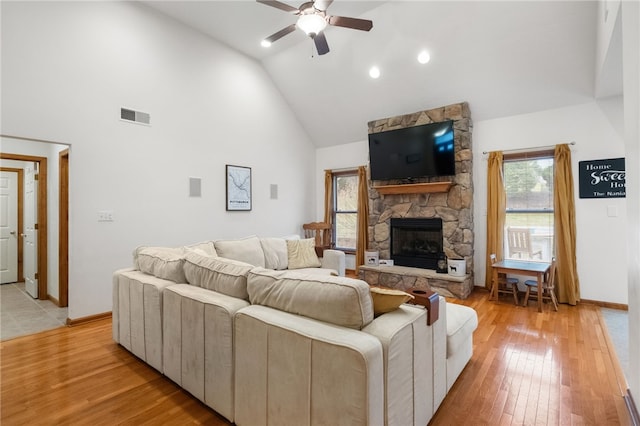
(602, 178)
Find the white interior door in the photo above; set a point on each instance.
(8, 227)
(30, 248)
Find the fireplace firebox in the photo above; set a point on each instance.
(416, 242)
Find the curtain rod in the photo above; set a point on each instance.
(528, 149)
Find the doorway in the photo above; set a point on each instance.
(40, 270)
(63, 230)
(11, 201)
(21, 150)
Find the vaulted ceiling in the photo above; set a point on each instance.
(503, 57)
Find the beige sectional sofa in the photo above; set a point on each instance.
(262, 345)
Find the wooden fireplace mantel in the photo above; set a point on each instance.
(414, 188)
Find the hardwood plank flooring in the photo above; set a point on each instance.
(529, 368)
(553, 368)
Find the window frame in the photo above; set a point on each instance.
(334, 208)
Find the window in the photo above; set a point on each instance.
(529, 226)
(345, 210)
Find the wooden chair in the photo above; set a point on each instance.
(506, 284)
(548, 287)
(321, 231)
(519, 239)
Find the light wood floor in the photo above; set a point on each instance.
(553, 368)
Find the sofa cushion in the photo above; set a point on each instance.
(219, 274)
(162, 262)
(317, 271)
(302, 254)
(248, 250)
(387, 299)
(198, 344)
(461, 323)
(275, 253)
(292, 370)
(336, 300)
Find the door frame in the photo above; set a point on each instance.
(63, 230)
(20, 213)
(42, 217)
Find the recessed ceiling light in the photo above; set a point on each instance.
(374, 72)
(424, 57)
(265, 43)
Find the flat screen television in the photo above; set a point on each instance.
(413, 152)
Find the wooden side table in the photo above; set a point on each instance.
(429, 299)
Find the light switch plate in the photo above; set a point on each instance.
(105, 216)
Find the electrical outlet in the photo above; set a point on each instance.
(105, 216)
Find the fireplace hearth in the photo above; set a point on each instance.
(416, 242)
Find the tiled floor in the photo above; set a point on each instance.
(618, 327)
(20, 314)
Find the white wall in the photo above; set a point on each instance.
(68, 68)
(50, 152)
(348, 156)
(631, 82)
(334, 158)
(601, 256)
(608, 53)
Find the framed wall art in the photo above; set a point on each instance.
(238, 182)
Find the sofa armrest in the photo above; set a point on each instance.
(334, 259)
(294, 370)
(407, 344)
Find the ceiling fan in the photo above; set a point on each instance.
(312, 19)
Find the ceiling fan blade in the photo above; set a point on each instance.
(279, 5)
(321, 44)
(322, 4)
(283, 32)
(354, 23)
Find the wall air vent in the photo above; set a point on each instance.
(135, 116)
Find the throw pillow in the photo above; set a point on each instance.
(387, 299)
(207, 247)
(275, 253)
(247, 250)
(302, 254)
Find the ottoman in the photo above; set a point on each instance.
(461, 323)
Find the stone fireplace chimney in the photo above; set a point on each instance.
(453, 207)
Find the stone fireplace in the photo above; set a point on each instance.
(450, 203)
(416, 242)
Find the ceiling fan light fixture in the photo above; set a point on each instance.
(311, 24)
